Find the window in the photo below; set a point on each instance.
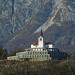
(40, 53)
(45, 52)
(45, 56)
(33, 52)
(40, 38)
(28, 52)
(41, 56)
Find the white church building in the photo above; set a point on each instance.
(40, 43)
(37, 52)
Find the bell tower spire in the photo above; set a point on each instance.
(41, 33)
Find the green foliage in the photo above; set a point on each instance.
(37, 68)
(3, 53)
(73, 56)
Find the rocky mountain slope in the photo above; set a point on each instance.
(56, 17)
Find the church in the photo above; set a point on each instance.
(39, 43)
(39, 51)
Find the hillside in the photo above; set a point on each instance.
(32, 68)
(56, 17)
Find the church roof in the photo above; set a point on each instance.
(35, 42)
(46, 43)
(41, 33)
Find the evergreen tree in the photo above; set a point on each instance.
(3, 53)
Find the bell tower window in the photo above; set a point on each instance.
(40, 39)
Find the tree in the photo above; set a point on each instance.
(3, 53)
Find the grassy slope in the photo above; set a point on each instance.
(37, 68)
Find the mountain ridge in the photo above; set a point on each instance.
(29, 18)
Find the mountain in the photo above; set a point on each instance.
(56, 17)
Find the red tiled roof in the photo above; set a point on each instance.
(35, 42)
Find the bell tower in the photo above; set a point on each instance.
(41, 40)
